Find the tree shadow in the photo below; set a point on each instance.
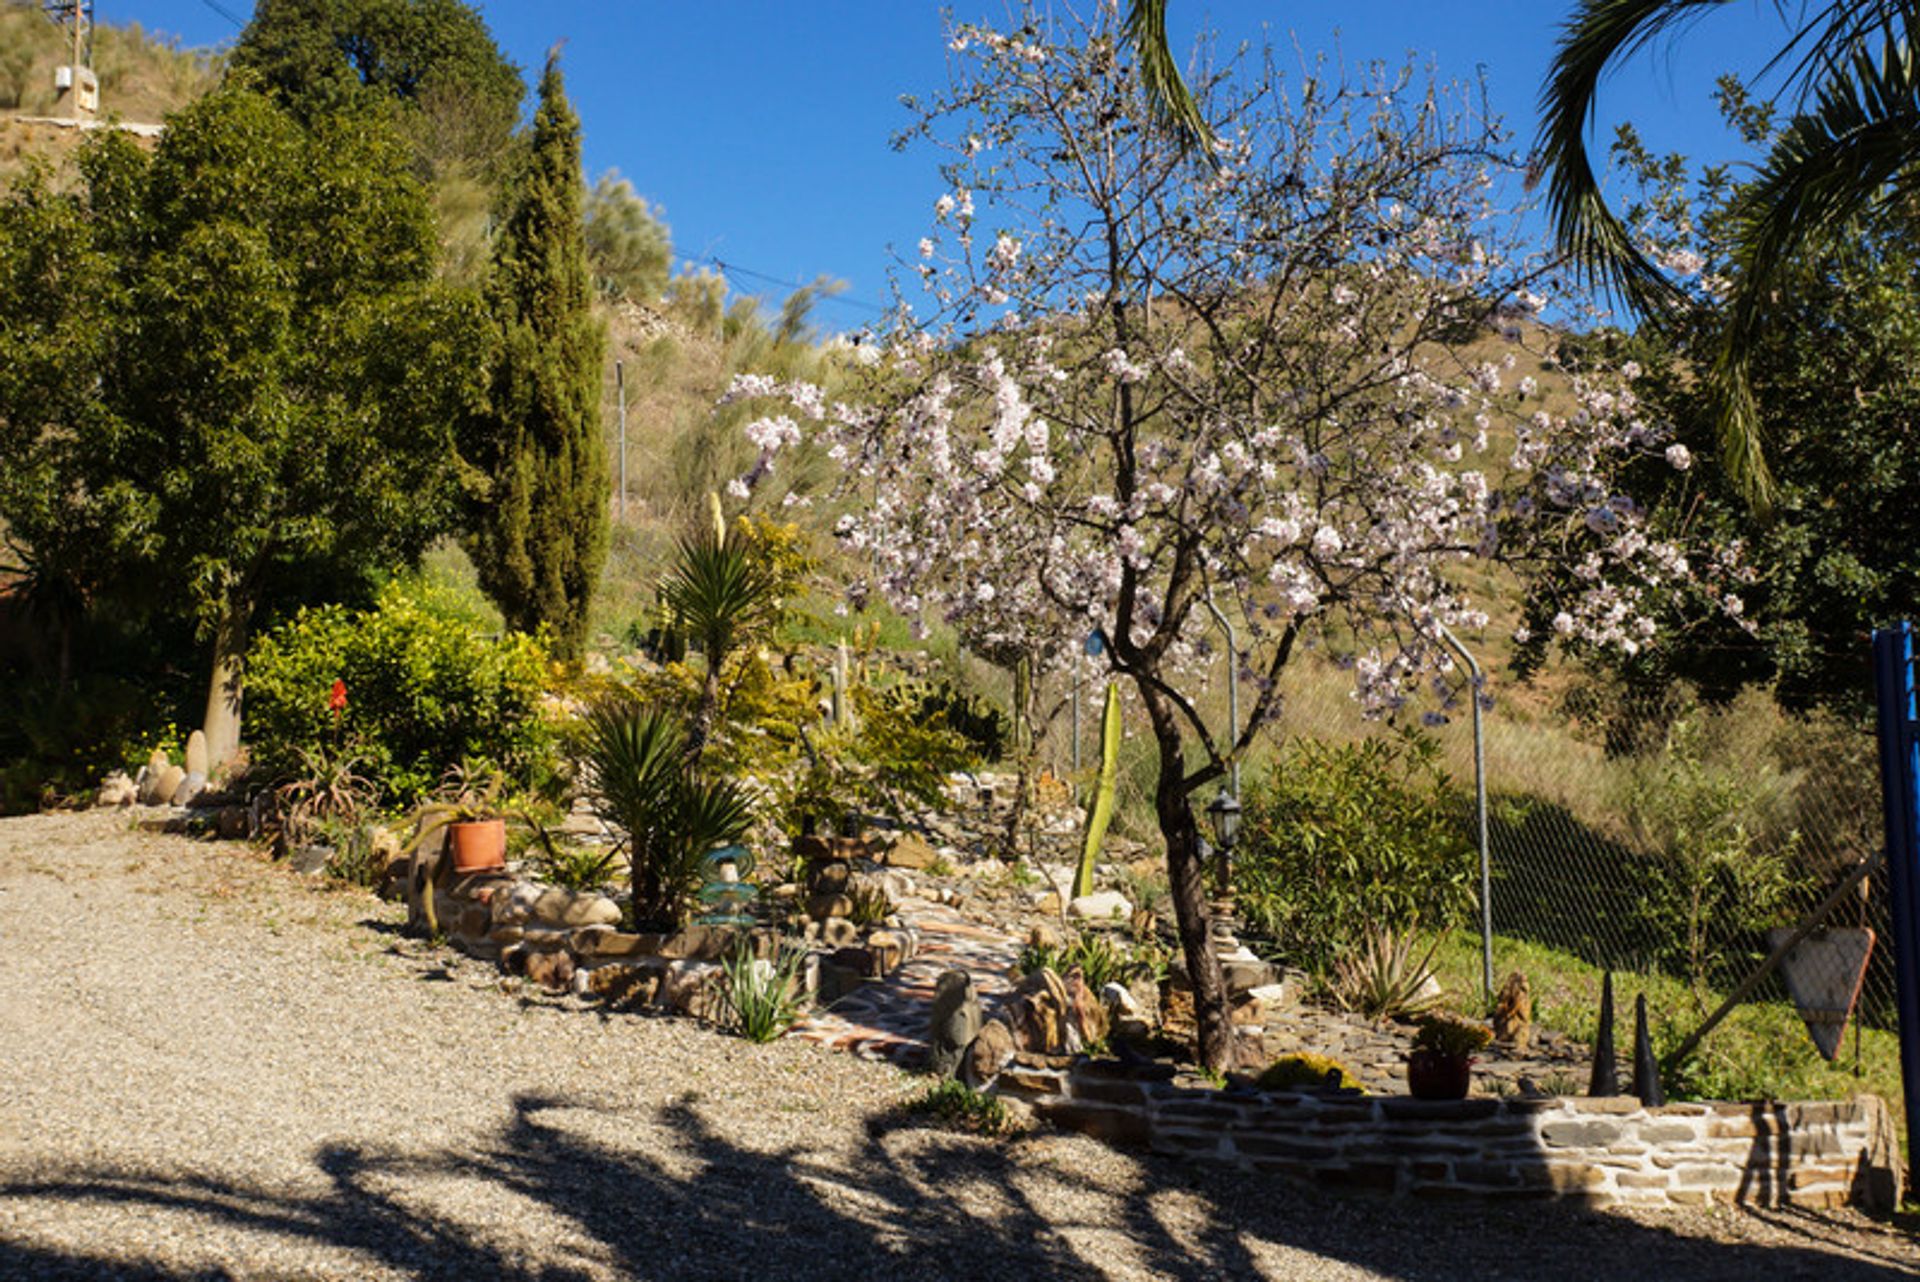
(940, 1204)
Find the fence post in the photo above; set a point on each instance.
(1900, 790)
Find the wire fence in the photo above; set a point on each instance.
(1645, 831)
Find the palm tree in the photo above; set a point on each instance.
(1852, 147)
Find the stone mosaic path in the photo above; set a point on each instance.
(887, 1019)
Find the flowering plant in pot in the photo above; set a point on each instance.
(1441, 1062)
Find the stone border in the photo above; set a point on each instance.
(1817, 1154)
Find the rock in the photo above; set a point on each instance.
(855, 960)
(822, 907)
(594, 942)
(1038, 1013)
(165, 784)
(148, 793)
(198, 762)
(191, 786)
(1244, 972)
(1046, 935)
(1269, 1000)
(1086, 1017)
(909, 850)
(989, 1052)
(954, 1022)
(307, 860)
(1048, 902)
(552, 971)
(234, 822)
(116, 790)
(889, 952)
(693, 988)
(896, 886)
(527, 903)
(831, 878)
(811, 850)
(624, 985)
(1513, 1014)
(832, 980)
(838, 932)
(1101, 906)
(1119, 1002)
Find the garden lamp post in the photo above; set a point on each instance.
(1223, 814)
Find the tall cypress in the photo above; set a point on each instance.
(539, 530)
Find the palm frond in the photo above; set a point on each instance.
(1598, 244)
(718, 587)
(1850, 154)
(1169, 100)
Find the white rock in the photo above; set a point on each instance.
(1119, 1002)
(1101, 905)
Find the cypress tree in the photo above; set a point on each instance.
(539, 533)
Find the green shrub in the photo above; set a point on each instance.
(424, 692)
(956, 1104)
(763, 997)
(1100, 959)
(1342, 838)
(1306, 1071)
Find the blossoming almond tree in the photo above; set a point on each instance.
(1153, 385)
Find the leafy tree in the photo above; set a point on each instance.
(539, 532)
(1849, 152)
(251, 405)
(317, 55)
(1835, 380)
(630, 249)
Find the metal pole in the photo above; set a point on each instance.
(1480, 812)
(1233, 693)
(1900, 793)
(1076, 730)
(620, 382)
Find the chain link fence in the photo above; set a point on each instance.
(1646, 831)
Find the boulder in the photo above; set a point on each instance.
(552, 971)
(595, 942)
(192, 784)
(1086, 1017)
(988, 1053)
(831, 878)
(910, 850)
(166, 781)
(889, 951)
(1046, 934)
(310, 860)
(116, 790)
(838, 932)
(693, 988)
(623, 985)
(530, 904)
(1038, 1013)
(823, 907)
(198, 762)
(1101, 906)
(235, 823)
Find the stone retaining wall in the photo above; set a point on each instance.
(1602, 1150)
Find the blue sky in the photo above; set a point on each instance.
(762, 126)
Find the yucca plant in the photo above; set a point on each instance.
(720, 589)
(1383, 979)
(670, 814)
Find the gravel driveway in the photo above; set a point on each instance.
(210, 1068)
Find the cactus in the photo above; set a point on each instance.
(1100, 814)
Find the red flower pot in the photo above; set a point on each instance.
(1433, 1075)
(479, 846)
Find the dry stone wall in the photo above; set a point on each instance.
(1821, 1154)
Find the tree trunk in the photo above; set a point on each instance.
(221, 722)
(1186, 875)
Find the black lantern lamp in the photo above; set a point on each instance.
(1224, 814)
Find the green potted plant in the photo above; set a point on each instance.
(1440, 1065)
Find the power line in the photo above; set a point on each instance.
(731, 270)
(224, 12)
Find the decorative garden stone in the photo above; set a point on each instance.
(552, 971)
(953, 1023)
(1086, 1017)
(1038, 1013)
(1606, 1071)
(528, 903)
(192, 784)
(166, 783)
(198, 762)
(1513, 1014)
(1101, 906)
(116, 790)
(911, 851)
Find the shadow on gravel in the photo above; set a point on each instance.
(710, 1209)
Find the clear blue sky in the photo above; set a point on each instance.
(761, 126)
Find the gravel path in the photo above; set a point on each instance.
(210, 1068)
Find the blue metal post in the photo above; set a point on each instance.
(1900, 788)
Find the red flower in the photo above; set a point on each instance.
(337, 697)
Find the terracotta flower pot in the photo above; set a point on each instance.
(478, 846)
(1433, 1075)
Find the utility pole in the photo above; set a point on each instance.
(620, 382)
(77, 77)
